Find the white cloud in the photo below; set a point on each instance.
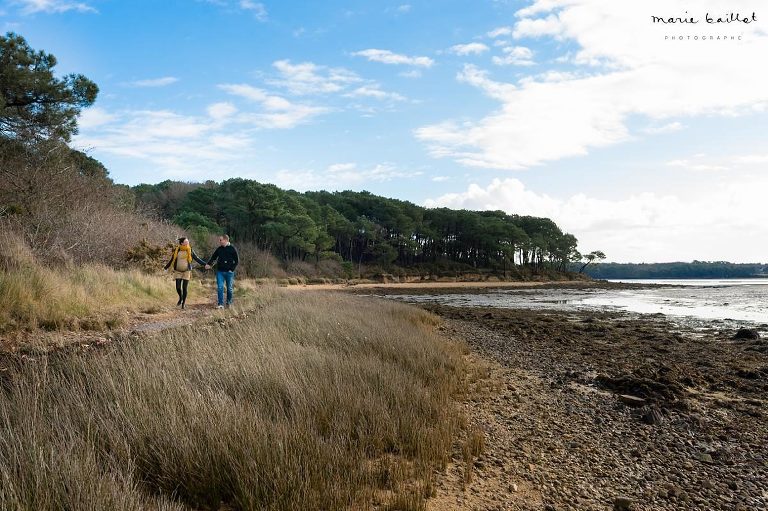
(669, 127)
(373, 91)
(94, 116)
(230, 141)
(188, 146)
(643, 226)
(515, 56)
(551, 76)
(341, 167)
(52, 6)
(500, 32)
(412, 73)
(479, 78)
(468, 49)
(696, 167)
(220, 111)
(278, 111)
(177, 145)
(538, 6)
(257, 8)
(752, 158)
(310, 78)
(154, 82)
(627, 70)
(340, 176)
(388, 57)
(538, 27)
(440, 179)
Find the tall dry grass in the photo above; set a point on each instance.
(35, 293)
(313, 401)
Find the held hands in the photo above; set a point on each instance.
(207, 266)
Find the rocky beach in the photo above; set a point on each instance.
(610, 411)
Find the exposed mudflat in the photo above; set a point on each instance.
(611, 411)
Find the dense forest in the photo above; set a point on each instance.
(678, 270)
(359, 228)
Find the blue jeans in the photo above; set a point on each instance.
(229, 278)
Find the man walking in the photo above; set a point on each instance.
(226, 255)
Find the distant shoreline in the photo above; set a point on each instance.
(437, 285)
(466, 285)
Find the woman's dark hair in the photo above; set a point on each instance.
(181, 240)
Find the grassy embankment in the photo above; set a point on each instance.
(311, 401)
(90, 296)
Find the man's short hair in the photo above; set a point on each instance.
(225, 236)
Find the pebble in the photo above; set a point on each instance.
(631, 400)
(622, 504)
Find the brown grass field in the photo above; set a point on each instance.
(306, 401)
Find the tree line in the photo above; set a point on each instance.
(359, 227)
(678, 270)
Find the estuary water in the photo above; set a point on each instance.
(693, 301)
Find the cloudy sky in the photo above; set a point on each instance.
(645, 140)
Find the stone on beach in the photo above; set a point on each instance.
(631, 400)
(747, 333)
(622, 504)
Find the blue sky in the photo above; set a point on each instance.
(580, 110)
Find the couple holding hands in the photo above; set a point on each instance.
(224, 257)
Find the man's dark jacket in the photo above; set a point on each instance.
(227, 257)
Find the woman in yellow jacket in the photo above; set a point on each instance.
(181, 262)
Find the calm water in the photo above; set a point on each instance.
(737, 301)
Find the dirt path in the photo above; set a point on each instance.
(153, 319)
(173, 317)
